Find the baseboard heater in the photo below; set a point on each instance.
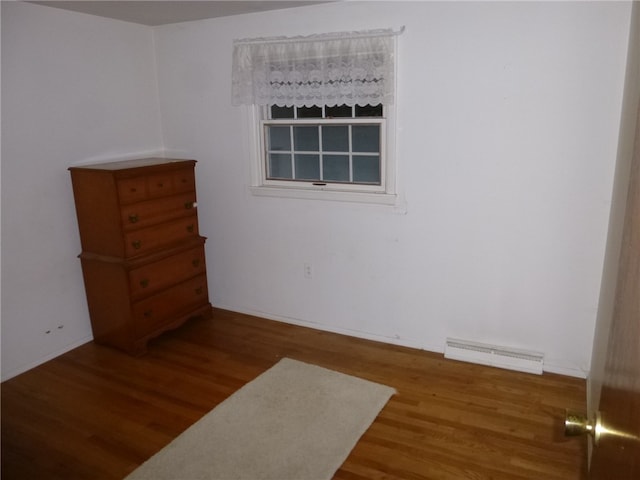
(494, 356)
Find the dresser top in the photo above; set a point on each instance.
(129, 164)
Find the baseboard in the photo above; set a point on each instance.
(25, 368)
(403, 342)
(327, 328)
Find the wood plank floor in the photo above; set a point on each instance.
(95, 413)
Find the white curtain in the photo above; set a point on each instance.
(330, 69)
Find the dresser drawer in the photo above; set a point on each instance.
(132, 190)
(160, 184)
(155, 185)
(166, 272)
(151, 313)
(148, 239)
(168, 183)
(184, 180)
(148, 213)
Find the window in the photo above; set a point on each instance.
(334, 153)
(339, 146)
(321, 111)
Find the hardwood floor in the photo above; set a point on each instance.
(96, 413)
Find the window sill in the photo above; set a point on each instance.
(331, 195)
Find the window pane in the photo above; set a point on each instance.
(366, 169)
(366, 138)
(335, 138)
(310, 112)
(342, 151)
(335, 168)
(280, 165)
(307, 167)
(281, 112)
(369, 110)
(306, 139)
(279, 138)
(338, 111)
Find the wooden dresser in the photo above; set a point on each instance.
(142, 255)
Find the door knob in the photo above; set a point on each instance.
(576, 423)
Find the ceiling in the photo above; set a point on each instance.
(161, 12)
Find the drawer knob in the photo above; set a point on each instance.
(136, 244)
(189, 205)
(160, 184)
(199, 291)
(148, 313)
(133, 218)
(190, 228)
(144, 283)
(195, 262)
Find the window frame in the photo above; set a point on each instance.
(261, 185)
(301, 183)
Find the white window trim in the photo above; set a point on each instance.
(345, 193)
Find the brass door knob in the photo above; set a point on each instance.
(576, 423)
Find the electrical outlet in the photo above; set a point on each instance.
(308, 270)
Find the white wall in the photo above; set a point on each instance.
(508, 123)
(75, 88)
(508, 118)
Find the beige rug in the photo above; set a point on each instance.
(294, 422)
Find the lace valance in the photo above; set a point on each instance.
(330, 69)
